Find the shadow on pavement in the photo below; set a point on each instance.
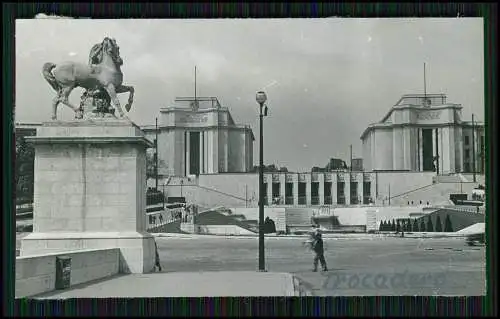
(47, 295)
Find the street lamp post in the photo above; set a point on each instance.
(156, 155)
(261, 99)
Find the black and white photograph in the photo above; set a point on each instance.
(249, 157)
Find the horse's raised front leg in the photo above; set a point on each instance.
(55, 103)
(65, 92)
(116, 102)
(124, 89)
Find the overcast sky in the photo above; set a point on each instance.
(326, 79)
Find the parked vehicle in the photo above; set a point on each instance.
(475, 239)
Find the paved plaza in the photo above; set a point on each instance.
(378, 266)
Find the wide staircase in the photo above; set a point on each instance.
(223, 217)
(168, 227)
(298, 219)
(435, 194)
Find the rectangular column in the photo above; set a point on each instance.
(321, 189)
(460, 150)
(448, 150)
(440, 150)
(360, 180)
(269, 194)
(347, 188)
(308, 189)
(84, 202)
(282, 188)
(334, 188)
(215, 150)
(188, 148)
(207, 151)
(296, 189)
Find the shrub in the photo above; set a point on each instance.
(415, 227)
(430, 226)
(439, 227)
(447, 224)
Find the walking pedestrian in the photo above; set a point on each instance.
(319, 252)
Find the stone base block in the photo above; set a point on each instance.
(137, 250)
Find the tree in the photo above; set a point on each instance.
(24, 169)
(447, 224)
(386, 226)
(439, 227)
(407, 226)
(398, 225)
(422, 225)
(393, 225)
(151, 164)
(430, 226)
(381, 227)
(415, 226)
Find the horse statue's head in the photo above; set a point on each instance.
(110, 47)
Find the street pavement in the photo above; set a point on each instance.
(378, 266)
(364, 267)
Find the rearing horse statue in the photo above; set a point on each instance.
(104, 72)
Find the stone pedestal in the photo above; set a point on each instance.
(90, 191)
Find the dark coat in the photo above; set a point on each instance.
(318, 245)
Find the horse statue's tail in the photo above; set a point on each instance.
(49, 77)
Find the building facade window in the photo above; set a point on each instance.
(276, 194)
(314, 193)
(366, 193)
(340, 193)
(302, 194)
(328, 193)
(354, 193)
(466, 140)
(289, 193)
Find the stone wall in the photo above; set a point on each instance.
(223, 230)
(37, 274)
